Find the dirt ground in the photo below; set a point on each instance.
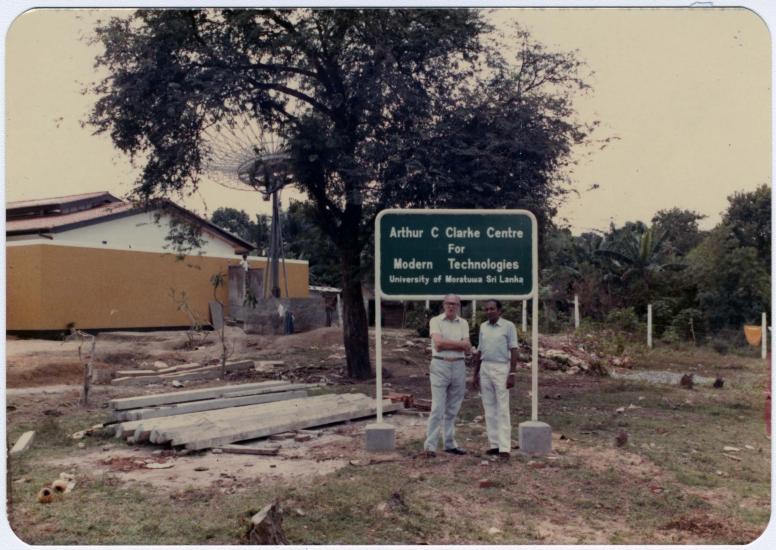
(44, 377)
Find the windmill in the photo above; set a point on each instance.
(245, 157)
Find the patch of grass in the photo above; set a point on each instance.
(595, 490)
(54, 432)
(101, 510)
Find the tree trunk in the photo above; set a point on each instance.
(355, 326)
(266, 527)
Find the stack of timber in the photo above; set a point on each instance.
(215, 427)
(204, 399)
(187, 371)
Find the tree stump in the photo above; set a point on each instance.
(266, 526)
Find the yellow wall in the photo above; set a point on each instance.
(49, 286)
(23, 281)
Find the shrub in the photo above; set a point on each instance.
(688, 324)
(720, 347)
(417, 319)
(624, 319)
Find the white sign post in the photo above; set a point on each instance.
(476, 254)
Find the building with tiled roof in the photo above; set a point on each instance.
(97, 262)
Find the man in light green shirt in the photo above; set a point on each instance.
(496, 358)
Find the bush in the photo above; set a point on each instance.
(670, 336)
(688, 324)
(417, 319)
(624, 319)
(720, 347)
(662, 314)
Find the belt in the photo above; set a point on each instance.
(450, 359)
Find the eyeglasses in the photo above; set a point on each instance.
(451, 303)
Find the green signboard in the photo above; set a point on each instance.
(476, 254)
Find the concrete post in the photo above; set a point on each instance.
(649, 326)
(525, 317)
(428, 305)
(764, 339)
(474, 310)
(576, 312)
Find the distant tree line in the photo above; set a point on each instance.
(698, 282)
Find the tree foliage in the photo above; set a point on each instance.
(697, 281)
(680, 228)
(380, 108)
(239, 223)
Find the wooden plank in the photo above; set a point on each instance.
(199, 422)
(128, 428)
(135, 380)
(225, 421)
(205, 373)
(207, 439)
(240, 365)
(178, 368)
(23, 443)
(166, 428)
(162, 426)
(216, 314)
(139, 372)
(206, 405)
(245, 450)
(199, 373)
(189, 395)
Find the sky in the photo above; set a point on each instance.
(684, 93)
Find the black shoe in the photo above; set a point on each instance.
(492, 451)
(503, 456)
(455, 451)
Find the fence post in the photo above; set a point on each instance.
(764, 337)
(428, 305)
(525, 317)
(576, 312)
(649, 326)
(474, 311)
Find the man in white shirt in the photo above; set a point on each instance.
(496, 358)
(449, 343)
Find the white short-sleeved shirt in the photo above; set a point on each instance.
(457, 329)
(496, 340)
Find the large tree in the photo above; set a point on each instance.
(361, 96)
(681, 228)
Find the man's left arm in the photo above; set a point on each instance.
(512, 343)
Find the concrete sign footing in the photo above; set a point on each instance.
(380, 436)
(535, 438)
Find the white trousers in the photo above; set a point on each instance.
(448, 386)
(495, 401)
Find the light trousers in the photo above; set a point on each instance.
(495, 401)
(448, 386)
